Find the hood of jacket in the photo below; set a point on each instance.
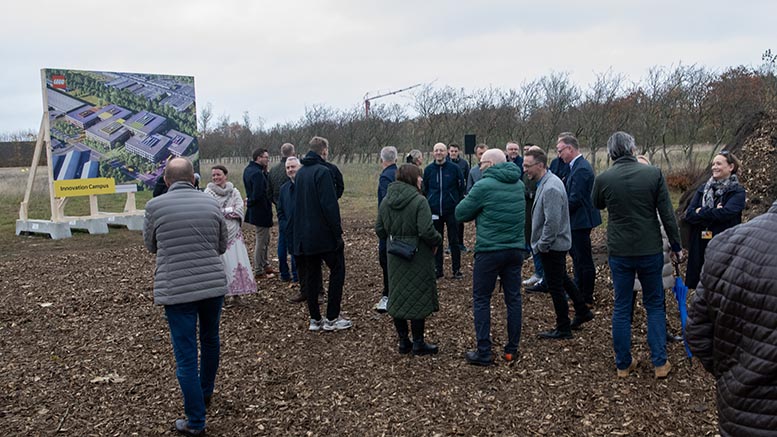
(312, 158)
(400, 194)
(506, 172)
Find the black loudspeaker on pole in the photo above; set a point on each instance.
(469, 144)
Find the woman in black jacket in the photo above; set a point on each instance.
(716, 206)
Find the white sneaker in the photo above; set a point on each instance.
(315, 325)
(382, 305)
(533, 280)
(337, 324)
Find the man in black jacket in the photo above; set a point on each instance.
(444, 187)
(259, 210)
(276, 180)
(454, 152)
(582, 215)
(318, 236)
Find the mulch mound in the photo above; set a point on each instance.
(84, 352)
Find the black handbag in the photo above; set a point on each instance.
(400, 248)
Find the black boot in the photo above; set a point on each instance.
(419, 346)
(404, 345)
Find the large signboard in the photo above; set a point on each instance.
(108, 129)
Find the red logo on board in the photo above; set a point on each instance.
(58, 81)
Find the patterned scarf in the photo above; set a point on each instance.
(714, 190)
(221, 194)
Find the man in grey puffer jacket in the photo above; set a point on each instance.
(186, 229)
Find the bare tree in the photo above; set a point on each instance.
(206, 115)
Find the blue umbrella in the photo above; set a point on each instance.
(680, 291)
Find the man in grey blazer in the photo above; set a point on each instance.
(551, 237)
(185, 228)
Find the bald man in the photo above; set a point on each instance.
(498, 205)
(444, 187)
(185, 228)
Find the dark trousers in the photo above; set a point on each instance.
(311, 281)
(583, 263)
(505, 264)
(461, 235)
(556, 278)
(383, 259)
(417, 327)
(440, 224)
(195, 383)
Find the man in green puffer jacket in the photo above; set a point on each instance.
(497, 203)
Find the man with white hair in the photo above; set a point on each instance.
(444, 187)
(278, 177)
(388, 160)
(497, 204)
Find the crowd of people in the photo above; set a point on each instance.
(523, 205)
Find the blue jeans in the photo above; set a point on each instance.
(506, 264)
(182, 319)
(624, 269)
(535, 258)
(283, 266)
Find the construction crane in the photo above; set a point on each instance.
(367, 97)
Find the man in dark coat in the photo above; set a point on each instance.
(285, 216)
(454, 153)
(388, 159)
(444, 187)
(318, 236)
(259, 210)
(732, 323)
(582, 215)
(513, 152)
(277, 178)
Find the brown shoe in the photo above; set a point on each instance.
(663, 371)
(264, 276)
(268, 270)
(298, 298)
(627, 371)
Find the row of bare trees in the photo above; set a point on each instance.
(670, 111)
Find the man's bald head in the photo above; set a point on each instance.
(179, 169)
(495, 156)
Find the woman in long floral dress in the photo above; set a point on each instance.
(237, 264)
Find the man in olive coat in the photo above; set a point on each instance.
(498, 205)
(636, 248)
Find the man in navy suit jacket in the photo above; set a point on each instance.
(582, 215)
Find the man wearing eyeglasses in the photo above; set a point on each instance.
(551, 238)
(582, 215)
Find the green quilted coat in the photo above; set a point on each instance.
(405, 215)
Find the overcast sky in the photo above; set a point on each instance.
(274, 59)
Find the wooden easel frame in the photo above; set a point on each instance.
(96, 222)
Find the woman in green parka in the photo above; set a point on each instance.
(404, 215)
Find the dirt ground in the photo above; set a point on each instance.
(84, 352)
